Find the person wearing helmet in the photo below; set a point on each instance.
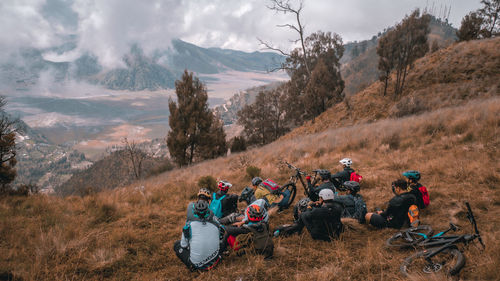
(354, 205)
(274, 201)
(254, 223)
(339, 178)
(199, 247)
(325, 183)
(223, 203)
(202, 195)
(321, 218)
(396, 214)
(289, 229)
(417, 189)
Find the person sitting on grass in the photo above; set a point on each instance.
(396, 214)
(200, 244)
(339, 178)
(354, 205)
(313, 190)
(238, 219)
(223, 203)
(289, 229)
(417, 189)
(204, 195)
(252, 236)
(321, 218)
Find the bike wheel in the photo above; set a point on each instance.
(447, 262)
(293, 192)
(409, 237)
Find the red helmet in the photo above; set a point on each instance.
(224, 185)
(255, 213)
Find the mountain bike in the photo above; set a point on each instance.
(441, 253)
(291, 185)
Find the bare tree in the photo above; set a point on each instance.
(284, 6)
(135, 156)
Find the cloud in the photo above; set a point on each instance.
(109, 28)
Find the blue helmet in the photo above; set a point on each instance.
(412, 175)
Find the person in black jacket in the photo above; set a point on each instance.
(339, 178)
(229, 202)
(313, 190)
(322, 219)
(396, 214)
(354, 205)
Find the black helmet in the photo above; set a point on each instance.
(201, 209)
(246, 195)
(412, 175)
(353, 186)
(255, 213)
(256, 181)
(300, 206)
(324, 174)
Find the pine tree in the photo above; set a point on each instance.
(190, 122)
(402, 46)
(470, 28)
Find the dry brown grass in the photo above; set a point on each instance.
(127, 234)
(449, 77)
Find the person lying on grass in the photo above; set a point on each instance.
(275, 200)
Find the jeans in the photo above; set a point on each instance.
(286, 198)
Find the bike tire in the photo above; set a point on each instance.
(449, 262)
(409, 237)
(293, 192)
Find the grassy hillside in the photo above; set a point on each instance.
(359, 72)
(127, 234)
(448, 77)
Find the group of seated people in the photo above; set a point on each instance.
(214, 226)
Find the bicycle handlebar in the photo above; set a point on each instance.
(294, 168)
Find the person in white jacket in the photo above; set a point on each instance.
(199, 247)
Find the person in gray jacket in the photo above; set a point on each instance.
(200, 244)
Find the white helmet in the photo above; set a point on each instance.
(346, 162)
(326, 194)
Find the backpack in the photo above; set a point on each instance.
(413, 215)
(257, 241)
(216, 205)
(425, 195)
(422, 194)
(273, 187)
(355, 177)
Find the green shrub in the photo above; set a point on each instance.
(208, 182)
(253, 172)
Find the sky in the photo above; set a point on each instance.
(107, 28)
